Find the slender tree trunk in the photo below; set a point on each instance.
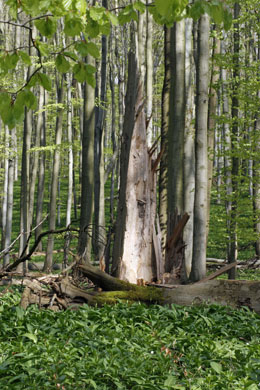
(256, 169)
(41, 178)
(55, 177)
(149, 76)
(100, 232)
(35, 158)
(198, 270)
(212, 122)
(163, 178)
(177, 122)
(189, 148)
(87, 182)
(70, 168)
(232, 255)
(9, 210)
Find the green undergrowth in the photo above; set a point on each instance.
(128, 347)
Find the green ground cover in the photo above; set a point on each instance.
(128, 347)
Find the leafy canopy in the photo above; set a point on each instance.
(78, 20)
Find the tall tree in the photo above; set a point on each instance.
(198, 270)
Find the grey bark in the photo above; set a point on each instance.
(198, 270)
(87, 181)
(55, 176)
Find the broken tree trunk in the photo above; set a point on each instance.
(133, 246)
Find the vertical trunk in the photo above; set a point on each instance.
(149, 76)
(189, 149)
(99, 236)
(5, 187)
(55, 177)
(163, 212)
(177, 121)
(232, 255)
(87, 181)
(70, 168)
(41, 178)
(9, 210)
(256, 169)
(198, 270)
(212, 121)
(132, 255)
(35, 158)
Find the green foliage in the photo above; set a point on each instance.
(46, 26)
(128, 347)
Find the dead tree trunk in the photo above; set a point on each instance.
(132, 254)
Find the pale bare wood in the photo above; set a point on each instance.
(219, 272)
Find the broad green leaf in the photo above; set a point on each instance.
(216, 367)
(62, 64)
(31, 336)
(44, 48)
(163, 6)
(73, 26)
(80, 72)
(11, 61)
(106, 28)
(81, 47)
(71, 55)
(96, 13)
(113, 18)
(46, 26)
(44, 81)
(92, 28)
(139, 6)
(25, 57)
(28, 99)
(170, 381)
(93, 50)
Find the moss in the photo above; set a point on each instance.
(142, 294)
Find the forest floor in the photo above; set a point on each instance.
(127, 347)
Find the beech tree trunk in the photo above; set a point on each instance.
(198, 270)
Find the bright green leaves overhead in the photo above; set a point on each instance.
(73, 25)
(216, 9)
(46, 26)
(85, 72)
(168, 11)
(62, 64)
(12, 111)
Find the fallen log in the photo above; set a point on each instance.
(234, 293)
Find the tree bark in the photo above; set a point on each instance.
(198, 270)
(132, 255)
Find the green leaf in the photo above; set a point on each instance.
(46, 26)
(92, 28)
(216, 367)
(28, 99)
(44, 48)
(113, 18)
(73, 26)
(105, 28)
(71, 55)
(44, 81)
(81, 47)
(96, 13)
(163, 6)
(62, 64)
(25, 57)
(85, 72)
(31, 336)
(139, 6)
(93, 49)
(170, 381)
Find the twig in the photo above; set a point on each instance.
(36, 243)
